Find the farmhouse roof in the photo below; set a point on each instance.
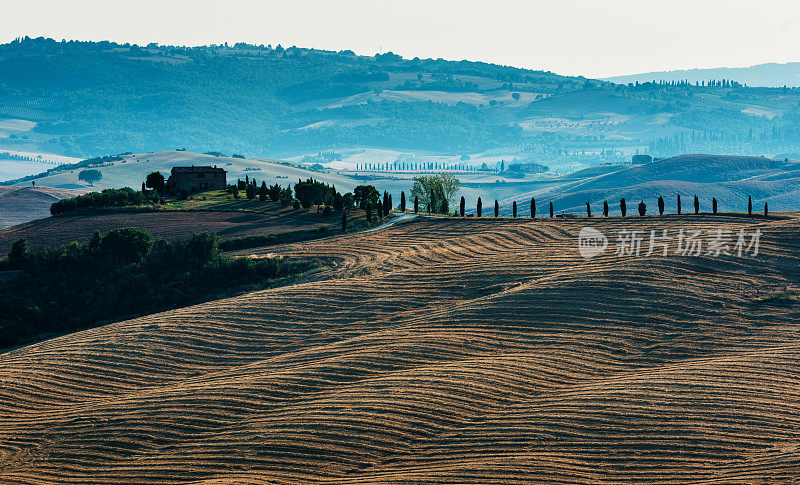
(194, 169)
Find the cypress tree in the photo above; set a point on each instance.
(462, 206)
(402, 201)
(445, 207)
(533, 208)
(369, 213)
(660, 205)
(514, 208)
(749, 205)
(144, 189)
(696, 205)
(605, 208)
(679, 204)
(766, 211)
(551, 210)
(391, 204)
(385, 203)
(496, 208)
(588, 210)
(623, 207)
(480, 207)
(642, 208)
(344, 222)
(714, 205)
(432, 205)
(416, 204)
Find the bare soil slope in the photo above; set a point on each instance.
(444, 351)
(22, 204)
(172, 225)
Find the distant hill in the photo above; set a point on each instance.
(764, 75)
(87, 99)
(729, 179)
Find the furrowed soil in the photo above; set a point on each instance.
(173, 224)
(438, 350)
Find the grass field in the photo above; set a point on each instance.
(437, 350)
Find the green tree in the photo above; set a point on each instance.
(344, 222)
(551, 210)
(496, 208)
(660, 205)
(91, 176)
(642, 208)
(437, 191)
(462, 206)
(623, 208)
(588, 210)
(155, 181)
(250, 191)
(479, 208)
(514, 209)
(766, 210)
(18, 253)
(402, 201)
(203, 247)
(696, 205)
(605, 208)
(366, 196)
(714, 205)
(263, 192)
(749, 205)
(533, 208)
(416, 205)
(679, 204)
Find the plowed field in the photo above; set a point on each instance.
(446, 351)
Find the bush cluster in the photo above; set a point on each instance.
(107, 198)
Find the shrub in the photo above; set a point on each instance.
(105, 199)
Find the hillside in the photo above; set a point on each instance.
(438, 350)
(22, 204)
(87, 99)
(766, 75)
(729, 179)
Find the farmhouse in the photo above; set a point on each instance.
(193, 179)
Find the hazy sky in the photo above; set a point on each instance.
(592, 38)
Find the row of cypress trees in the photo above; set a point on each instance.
(642, 208)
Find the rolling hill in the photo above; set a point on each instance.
(87, 99)
(22, 204)
(439, 350)
(765, 75)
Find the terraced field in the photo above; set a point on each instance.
(444, 351)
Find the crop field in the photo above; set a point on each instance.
(171, 224)
(438, 350)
